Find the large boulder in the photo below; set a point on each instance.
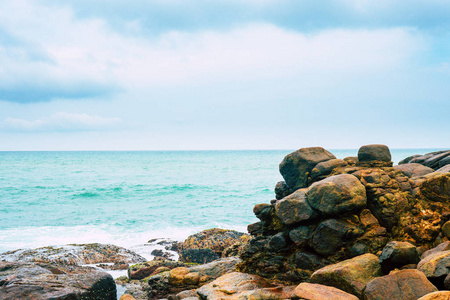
(414, 169)
(296, 167)
(243, 286)
(311, 291)
(294, 208)
(375, 152)
(350, 275)
(398, 254)
(337, 194)
(401, 285)
(26, 280)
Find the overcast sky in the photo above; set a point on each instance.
(249, 74)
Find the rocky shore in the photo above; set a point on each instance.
(352, 228)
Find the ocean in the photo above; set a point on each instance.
(127, 198)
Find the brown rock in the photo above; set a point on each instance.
(400, 285)
(215, 239)
(282, 190)
(414, 170)
(311, 291)
(375, 152)
(398, 254)
(25, 280)
(297, 166)
(436, 264)
(326, 167)
(441, 295)
(294, 208)
(337, 194)
(127, 297)
(350, 275)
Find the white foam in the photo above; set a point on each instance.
(133, 239)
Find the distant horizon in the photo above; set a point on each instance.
(199, 150)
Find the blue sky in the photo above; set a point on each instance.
(172, 74)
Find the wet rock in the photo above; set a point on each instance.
(282, 190)
(198, 256)
(441, 295)
(337, 194)
(332, 234)
(75, 254)
(297, 166)
(375, 152)
(350, 275)
(215, 239)
(414, 169)
(294, 208)
(311, 291)
(142, 270)
(326, 167)
(401, 285)
(398, 254)
(26, 280)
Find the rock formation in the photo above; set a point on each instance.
(328, 210)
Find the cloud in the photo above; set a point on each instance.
(70, 56)
(61, 122)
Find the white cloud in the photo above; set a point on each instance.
(80, 51)
(61, 121)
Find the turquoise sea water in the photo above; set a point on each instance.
(127, 198)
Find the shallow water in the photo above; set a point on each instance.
(127, 198)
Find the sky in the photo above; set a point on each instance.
(223, 74)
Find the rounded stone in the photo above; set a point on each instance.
(337, 194)
(374, 152)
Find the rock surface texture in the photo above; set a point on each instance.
(26, 280)
(328, 210)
